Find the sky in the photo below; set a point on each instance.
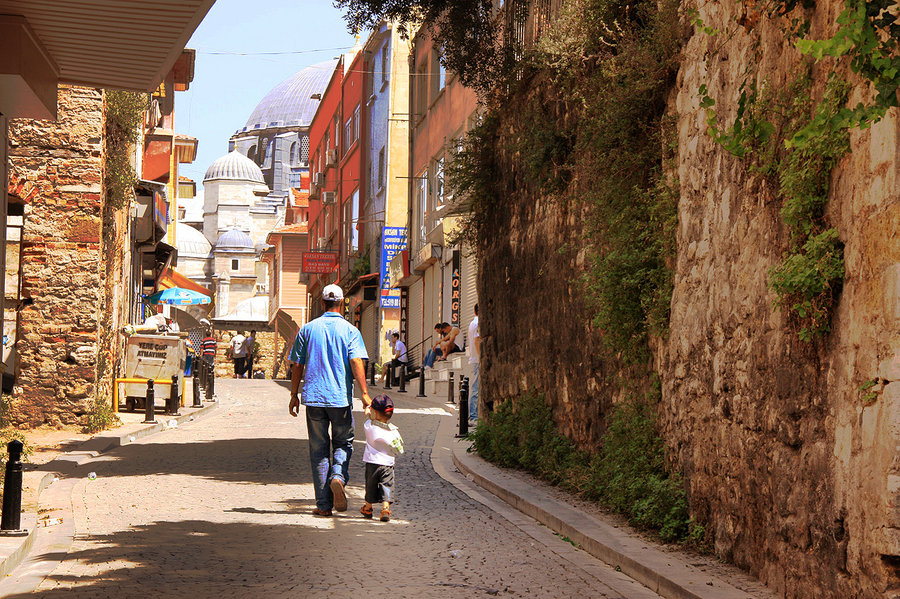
(232, 73)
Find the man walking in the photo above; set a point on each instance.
(328, 354)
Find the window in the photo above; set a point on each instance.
(385, 61)
(439, 182)
(304, 149)
(422, 91)
(294, 156)
(251, 153)
(421, 202)
(348, 134)
(337, 131)
(267, 157)
(351, 221)
(356, 123)
(438, 74)
(381, 168)
(235, 264)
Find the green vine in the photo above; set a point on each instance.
(796, 141)
(124, 117)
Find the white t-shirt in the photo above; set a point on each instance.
(237, 346)
(381, 443)
(401, 347)
(470, 342)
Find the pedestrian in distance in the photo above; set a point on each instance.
(398, 356)
(249, 343)
(473, 349)
(208, 345)
(383, 444)
(239, 354)
(446, 344)
(328, 355)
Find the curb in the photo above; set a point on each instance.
(663, 573)
(16, 549)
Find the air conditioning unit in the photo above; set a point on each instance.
(328, 197)
(313, 191)
(331, 157)
(322, 242)
(319, 179)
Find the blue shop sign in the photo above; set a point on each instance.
(393, 241)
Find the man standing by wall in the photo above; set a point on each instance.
(239, 354)
(328, 354)
(209, 344)
(473, 348)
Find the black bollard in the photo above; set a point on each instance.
(149, 408)
(372, 373)
(421, 382)
(389, 378)
(12, 488)
(464, 407)
(200, 375)
(195, 388)
(402, 388)
(450, 395)
(211, 383)
(174, 398)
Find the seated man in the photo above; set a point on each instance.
(445, 345)
(398, 357)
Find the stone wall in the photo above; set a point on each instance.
(58, 346)
(794, 475)
(783, 458)
(265, 361)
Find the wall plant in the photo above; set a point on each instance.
(796, 137)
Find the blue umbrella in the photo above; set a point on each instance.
(179, 296)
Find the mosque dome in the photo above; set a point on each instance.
(234, 240)
(289, 103)
(191, 242)
(234, 166)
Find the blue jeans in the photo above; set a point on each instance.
(429, 358)
(329, 457)
(473, 393)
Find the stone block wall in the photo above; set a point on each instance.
(266, 359)
(58, 346)
(794, 473)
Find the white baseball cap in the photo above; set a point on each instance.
(332, 293)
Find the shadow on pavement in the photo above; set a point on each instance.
(198, 559)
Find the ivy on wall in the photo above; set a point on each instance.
(124, 117)
(795, 138)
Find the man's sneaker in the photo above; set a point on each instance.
(318, 512)
(386, 515)
(366, 511)
(340, 498)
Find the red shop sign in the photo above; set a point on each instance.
(320, 263)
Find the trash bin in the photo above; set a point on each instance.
(152, 357)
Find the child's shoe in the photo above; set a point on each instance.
(366, 511)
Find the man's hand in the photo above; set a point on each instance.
(366, 400)
(294, 406)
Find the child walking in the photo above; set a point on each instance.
(383, 442)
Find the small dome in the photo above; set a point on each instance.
(191, 242)
(290, 102)
(234, 166)
(234, 239)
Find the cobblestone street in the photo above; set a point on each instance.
(221, 508)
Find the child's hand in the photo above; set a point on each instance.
(368, 411)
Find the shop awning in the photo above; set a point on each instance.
(172, 278)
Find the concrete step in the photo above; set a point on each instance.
(437, 389)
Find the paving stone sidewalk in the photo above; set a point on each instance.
(221, 507)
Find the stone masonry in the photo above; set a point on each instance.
(62, 250)
(790, 469)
